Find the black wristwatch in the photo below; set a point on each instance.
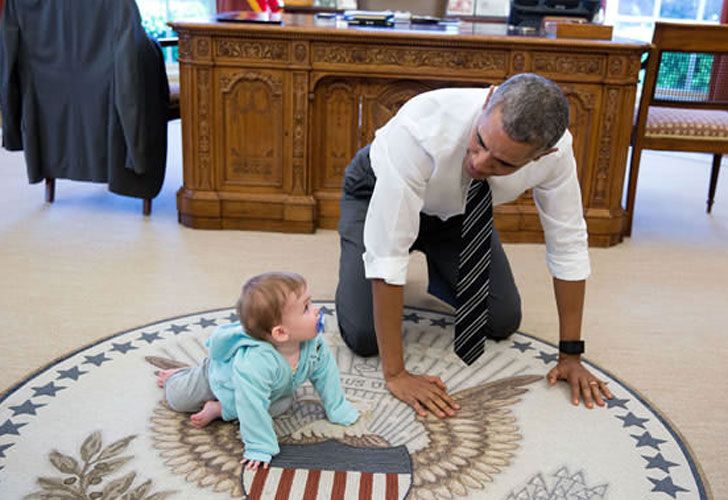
(571, 346)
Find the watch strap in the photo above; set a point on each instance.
(571, 346)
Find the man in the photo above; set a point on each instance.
(428, 182)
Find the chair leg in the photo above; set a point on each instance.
(713, 180)
(50, 191)
(634, 168)
(147, 209)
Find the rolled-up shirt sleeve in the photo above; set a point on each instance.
(392, 223)
(560, 209)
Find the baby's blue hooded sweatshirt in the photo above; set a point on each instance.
(247, 375)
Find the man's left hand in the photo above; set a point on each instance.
(583, 384)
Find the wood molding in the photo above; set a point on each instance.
(271, 115)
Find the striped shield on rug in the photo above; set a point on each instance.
(331, 470)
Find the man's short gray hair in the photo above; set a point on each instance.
(533, 109)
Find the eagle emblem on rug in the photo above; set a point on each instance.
(388, 453)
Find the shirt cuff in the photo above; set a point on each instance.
(393, 270)
(569, 267)
(257, 456)
(228, 415)
(345, 414)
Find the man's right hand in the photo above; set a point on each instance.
(422, 392)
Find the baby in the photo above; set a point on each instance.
(254, 366)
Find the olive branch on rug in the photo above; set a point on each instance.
(88, 477)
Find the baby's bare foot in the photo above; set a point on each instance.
(211, 411)
(163, 375)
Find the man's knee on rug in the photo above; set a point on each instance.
(505, 320)
(356, 322)
(361, 339)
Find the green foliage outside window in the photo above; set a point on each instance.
(156, 13)
(156, 26)
(685, 72)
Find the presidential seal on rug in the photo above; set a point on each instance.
(95, 425)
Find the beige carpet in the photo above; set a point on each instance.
(90, 265)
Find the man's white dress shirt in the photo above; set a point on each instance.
(417, 158)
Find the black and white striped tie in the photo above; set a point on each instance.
(471, 317)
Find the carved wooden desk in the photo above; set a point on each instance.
(271, 115)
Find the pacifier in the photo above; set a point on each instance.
(320, 325)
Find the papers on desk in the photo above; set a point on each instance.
(386, 18)
(369, 17)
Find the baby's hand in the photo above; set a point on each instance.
(253, 464)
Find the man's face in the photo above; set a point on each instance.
(492, 153)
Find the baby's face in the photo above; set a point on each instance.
(300, 317)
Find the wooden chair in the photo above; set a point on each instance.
(692, 117)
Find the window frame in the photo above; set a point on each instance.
(614, 18)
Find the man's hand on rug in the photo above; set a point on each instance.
(253, 464)
(583, 384)
(422, 393)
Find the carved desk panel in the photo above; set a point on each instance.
(271, 115)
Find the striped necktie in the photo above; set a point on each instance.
(471, 317)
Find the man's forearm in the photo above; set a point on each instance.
(570, 304)
(388, 302)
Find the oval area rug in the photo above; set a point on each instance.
(93, 425)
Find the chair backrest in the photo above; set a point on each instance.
(687, 67)
(435, 8)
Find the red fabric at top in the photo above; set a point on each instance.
(254, 5)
